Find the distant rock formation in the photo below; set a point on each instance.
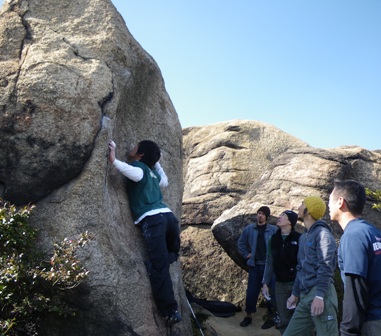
(71, 78)
(229, 174)
(221, 162)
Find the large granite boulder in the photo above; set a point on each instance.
(71, 78)
(221, 161)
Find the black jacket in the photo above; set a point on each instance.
(284, 253)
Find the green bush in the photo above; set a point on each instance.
(374, 196)
(30, 283)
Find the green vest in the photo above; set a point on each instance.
(144, 195)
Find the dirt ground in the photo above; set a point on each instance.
(229, 326)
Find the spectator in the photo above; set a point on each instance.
(359, 260)
(252, 245)
(317, 306)
(281, 260)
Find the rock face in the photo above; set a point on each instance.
(221, 162)
(208, 271)
(71, 78)
(280, 178)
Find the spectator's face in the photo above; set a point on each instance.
(261, 217)
(301, 211)
(333, 206)
(283, 220)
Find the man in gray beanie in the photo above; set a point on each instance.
(252, 245)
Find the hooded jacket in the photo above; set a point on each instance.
(316, 260)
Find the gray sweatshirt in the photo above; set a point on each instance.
(316, 260)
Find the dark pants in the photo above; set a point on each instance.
(283, 291)
(162, 235)
(254, 286)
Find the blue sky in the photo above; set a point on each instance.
(309, 67)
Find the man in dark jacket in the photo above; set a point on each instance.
(313, 286)
(281, 260)
(252, 245)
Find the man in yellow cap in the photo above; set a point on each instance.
(313, 287)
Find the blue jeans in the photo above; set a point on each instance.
(254, 286)
(162, 236)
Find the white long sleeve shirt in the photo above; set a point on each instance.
(136, 174)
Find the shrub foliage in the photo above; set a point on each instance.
(31, 283)
(374, 195)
